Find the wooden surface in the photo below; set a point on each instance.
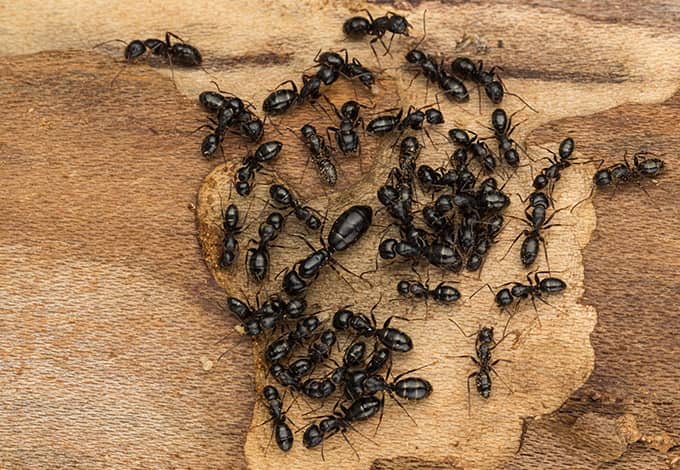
(108, 314)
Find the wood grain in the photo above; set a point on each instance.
(96, 225)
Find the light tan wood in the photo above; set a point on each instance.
(108, 349)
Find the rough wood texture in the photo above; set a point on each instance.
(107, 312)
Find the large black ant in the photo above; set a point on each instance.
(341, 421)
(281, 431)
(466, 69)
(281, 99)
(536, 218)
(252, 164)
(346, 138)
(359, 26)
(535, 288)
(484, 344)
(503, 129)
(442, 293)
(560, 161)
(257, 260)
(391, 338)
(624, 172)
(347, 229)
(478, 148)
(179, 53)
(282, 347)
(230, 228)
(286, 199)
(414, 119)
(317, 353)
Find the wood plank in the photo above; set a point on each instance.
(97, 223)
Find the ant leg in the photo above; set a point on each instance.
(344, 436)
(483, 286)
(371, 43)
(498, 375)
(389, 46)
(592, 191)
(463, 332)
(405, 411)
(414, 370)
(513, 244)
(474, 374)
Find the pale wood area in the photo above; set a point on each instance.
(109, 320)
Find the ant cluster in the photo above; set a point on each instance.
(454, 231)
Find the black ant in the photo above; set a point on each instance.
(231, 112)
(551, 174)
(466, 69)
(624, 172)
(320, 154)
(484, 344)
(537, 220)
(478, 148)
(282, 347)
(281, 99)
(392, 338)
(285, 198)
(346, 138)
(358, 27)
(318, 352)
(252, 164)
(503, 129)
(347, 229)
(257, 260)
(442, 293)
(535, 288)
(230, 228)
(341, 421)
(179, 53)
(415, 119)
(281, 431)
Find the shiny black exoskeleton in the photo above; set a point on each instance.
(252, 163)
(282, 433)
(257, 260)
(284, 198)
(477, 148)
(484, 345)
(320, 154)
(536, 218)
(317, 353)
(466, 69)
(392, 338)
(359, 27)
(179, 53)
(341, 421)
(232, 115)
(560, 161)
(409, 388)
(347, 229)
(535, 288)
(284, 346)
(230, 228)
(282, 99)
(346, 137)
(442, 293)
(503, 129)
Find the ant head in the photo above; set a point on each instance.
(270, 393)
(485, 334)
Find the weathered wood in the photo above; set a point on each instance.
(106, 172)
